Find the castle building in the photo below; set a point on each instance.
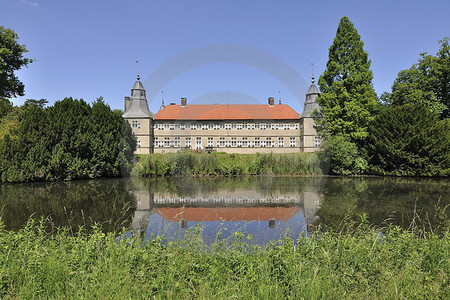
(262, 128)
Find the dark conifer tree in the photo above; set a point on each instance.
(348, 99)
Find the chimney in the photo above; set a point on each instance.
(271, 101)
(183, 102)
(127, 103)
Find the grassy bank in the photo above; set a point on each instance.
(202, 164)
(360, 264)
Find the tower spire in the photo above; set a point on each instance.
(312, 76)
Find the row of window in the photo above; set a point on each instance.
(222, 142)
(226, 126)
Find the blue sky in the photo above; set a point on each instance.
(216, 51)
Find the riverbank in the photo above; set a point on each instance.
(223, 164)
(357, 264)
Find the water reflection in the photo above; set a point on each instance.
(107, 202)
(267, 209)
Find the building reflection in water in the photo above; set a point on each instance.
(222, 212)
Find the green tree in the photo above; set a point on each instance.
(11, 60)
(340, 156)
(348, 101)
(5, 107)
(409, 140)
(427, 81)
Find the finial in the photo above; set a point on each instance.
(312, 76)
(137, 69)
(279, 97)
(162, 92)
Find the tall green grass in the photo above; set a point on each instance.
(331, 265)
(204, 164)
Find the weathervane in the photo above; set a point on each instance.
(137, 69)
(312, 77)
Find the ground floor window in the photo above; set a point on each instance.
(292, 142)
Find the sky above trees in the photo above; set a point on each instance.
(209, 51)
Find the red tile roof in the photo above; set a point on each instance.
(226, 112)
(200, 214)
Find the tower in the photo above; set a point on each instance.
(139, 117)
(309, 138)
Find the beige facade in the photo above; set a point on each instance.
(279, 130)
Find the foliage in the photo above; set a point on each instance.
(5, 107)
(340, 156)
(11, 59)
(356, 264)
(69, 140)
(348, 101)
(201, 164)
(427, 82)
(410, 140)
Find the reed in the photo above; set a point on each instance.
(186, 163)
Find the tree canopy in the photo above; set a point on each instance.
(427, 82)
(69, 140)
(11, 60)
(348, 100)
(409, 140)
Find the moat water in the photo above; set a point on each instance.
(261, 208)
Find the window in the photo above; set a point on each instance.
(161, 144)
(233, 142)
(239, 143)
(166, 126)
(135, 124)
(291, 126)
(216, 126)
(210, 142)
(257, 142)
(263, 126)
(204, 126)
(239, 126)
(182, 126)
(160, 126)
(286, 126)
(244, 142)
(199, 143)
(188, 142)
(177, 142)
(245, 126)
(227, 143)
(222, 126)
(155, 142)
(256, 125)
(138, 143)
(316, 141)
(166, 142)
(171, 143)
(252, 126)
(222, 142)
(210, 126)
(280, 142)
(233, 125)
(269, 142)
(292, 142)
(227, 126)
(194, 127)
(263, 143)
(172, 126)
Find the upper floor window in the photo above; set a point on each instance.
(135, 124)
(280, 142)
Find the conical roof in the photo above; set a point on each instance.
(138, 107)
(310, 103)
